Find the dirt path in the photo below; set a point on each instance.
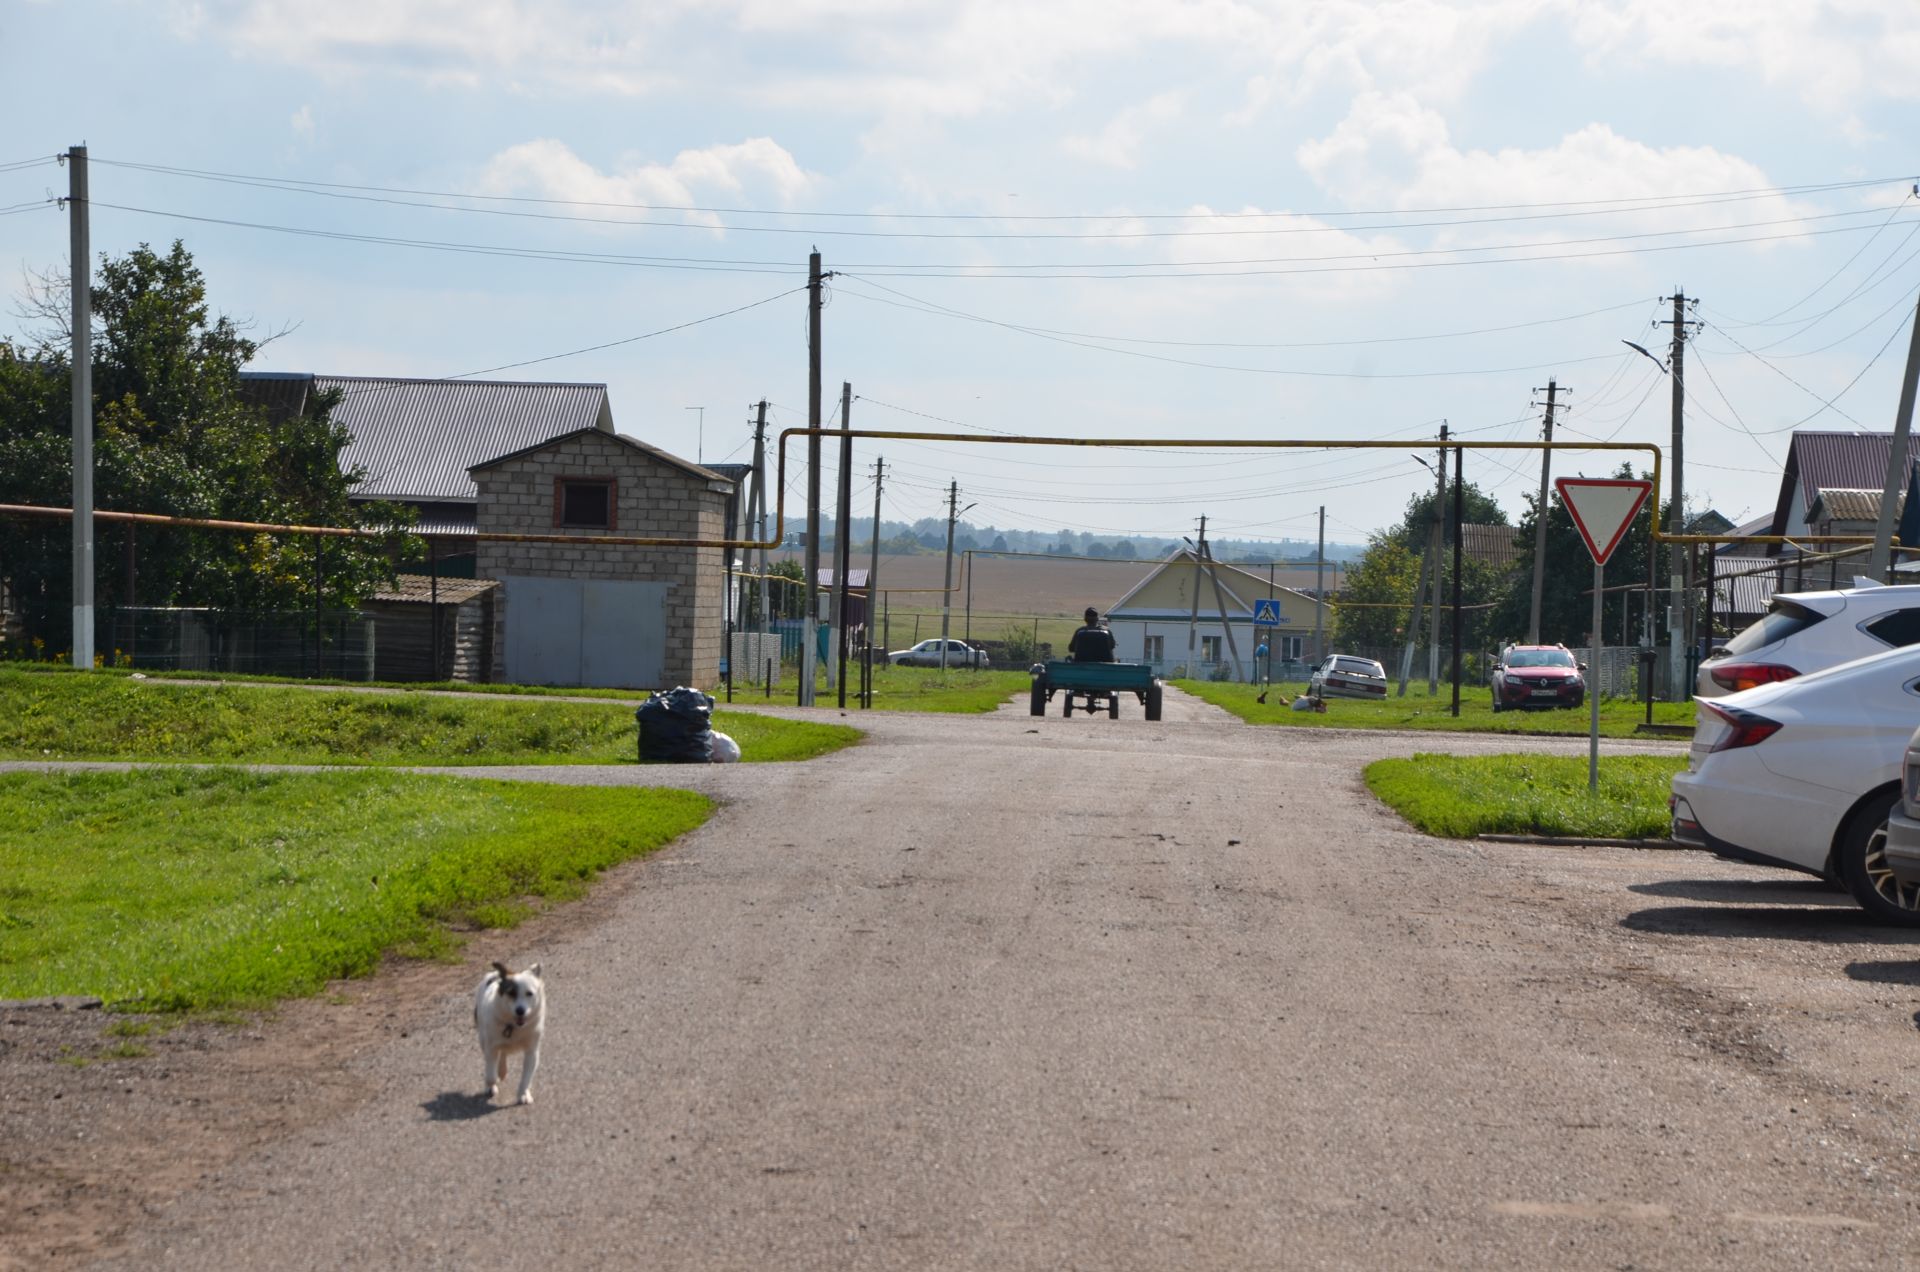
(1005, 992)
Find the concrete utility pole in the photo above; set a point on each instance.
(1429, 566)
(811, 617)
(1881, 562)
(1220, 603)
(1459, 520)
(946, 597)
(80, 267)
(1193, 619)
(1320, 593)
(842, 549)
(1676, 515)
(1439, 550)
(1540, 523)
(757, 510)
(873, 566)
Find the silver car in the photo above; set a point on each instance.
(1344, 676)
(927, 654)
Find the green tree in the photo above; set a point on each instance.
(173, 435)
(1375, 602)
(788, 600)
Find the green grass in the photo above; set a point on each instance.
(93, 717)
(173, 889)
(1618, 716)
(1458, 797)
(956, 690)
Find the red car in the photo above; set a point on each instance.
(1538, 676)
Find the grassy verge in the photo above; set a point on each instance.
(186, 889)
(1458, 797)
(1618, 716)
(929, 689)
(90, 717)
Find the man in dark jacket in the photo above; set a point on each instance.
(1092, 643)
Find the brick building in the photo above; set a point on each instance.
(614, 616)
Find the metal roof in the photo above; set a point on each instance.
(420, 589)
(1842, 504)
(1820, 461)
(416, 439)
(631, 443)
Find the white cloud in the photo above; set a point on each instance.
(758, 168)
(302, 123)
(1118, 144)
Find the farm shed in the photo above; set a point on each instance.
(425, 631)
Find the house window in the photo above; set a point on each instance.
(1210, 649)
(1292, 647)
(584, 503)
(1156, 649)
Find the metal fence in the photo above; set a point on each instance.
(333, 646)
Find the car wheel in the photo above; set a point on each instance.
(1153, 701)
(1863, 865)
(1038, 706)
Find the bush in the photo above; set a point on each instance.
(1017, 640)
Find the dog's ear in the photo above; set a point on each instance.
(501, 969)
(534, 970)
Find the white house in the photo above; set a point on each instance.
(1152, 623)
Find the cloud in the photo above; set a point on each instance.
(302, 123)
(749, 170)
(1118, 144)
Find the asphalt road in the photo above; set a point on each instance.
(1007, 993)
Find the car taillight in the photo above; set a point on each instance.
(1744, 728)
(1737, 676)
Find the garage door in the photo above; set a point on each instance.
(595, 632)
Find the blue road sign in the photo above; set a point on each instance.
(1266, 613)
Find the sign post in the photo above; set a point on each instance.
(1266, 613)
(1602, 510)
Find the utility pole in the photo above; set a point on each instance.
(1429, 567)
(1540, 523)
(1193, 619)
(1439, 550)
(1677, 606)
(1220, 603)
(757, 510)
(80, 269)
(1881, 562)
(842, 546)
(1319, 593)
(810, 616)
(873, 569)
(1459, 509)
(946, 597)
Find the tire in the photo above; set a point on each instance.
(1068, 709)
(1113, 706)
(1861, 863)
(1038, 706)
(1153, 701)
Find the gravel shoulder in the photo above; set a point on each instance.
(1014, 992)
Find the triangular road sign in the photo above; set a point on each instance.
(1602, 509)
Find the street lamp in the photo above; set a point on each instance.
(1642, 351)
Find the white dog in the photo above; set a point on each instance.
(510, 1014)
(725, 749)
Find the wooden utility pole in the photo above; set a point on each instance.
(1881, 562)
(1319, 593)
(80, 267)
(873, 570)
(1540, 523)
(757, 509)
(842, 547)
(810, 618)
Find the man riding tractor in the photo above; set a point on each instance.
(1093, 642)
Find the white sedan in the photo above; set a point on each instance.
(927, 654)
(1803, 773)
(1343, 676)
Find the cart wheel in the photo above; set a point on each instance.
(1038, 706)
(1153, 701)
(1113, 706)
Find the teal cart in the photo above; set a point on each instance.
(1094, 685)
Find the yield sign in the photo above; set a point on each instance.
(1602, 509)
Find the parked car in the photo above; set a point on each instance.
(1343, 676)
(1803, 774)
(1529, 676)
(1903, 827)
(927, 654)
(1806, 631)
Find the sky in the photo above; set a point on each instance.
(1217, 220)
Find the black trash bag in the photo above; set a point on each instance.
(676, 726)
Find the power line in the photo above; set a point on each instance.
(1639, 203)
(1772, 320)
(612, 344)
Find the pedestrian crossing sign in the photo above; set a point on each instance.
(1266, 613)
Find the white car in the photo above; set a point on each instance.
(927, 654)
(1806, 631)
(1343, 676)
(1802, 774)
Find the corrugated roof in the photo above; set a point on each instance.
(419, 588)
(1736, 588)
(632, 443)
(416, 439)
(1819, 461)
(1841, 504)
(1489, 545)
